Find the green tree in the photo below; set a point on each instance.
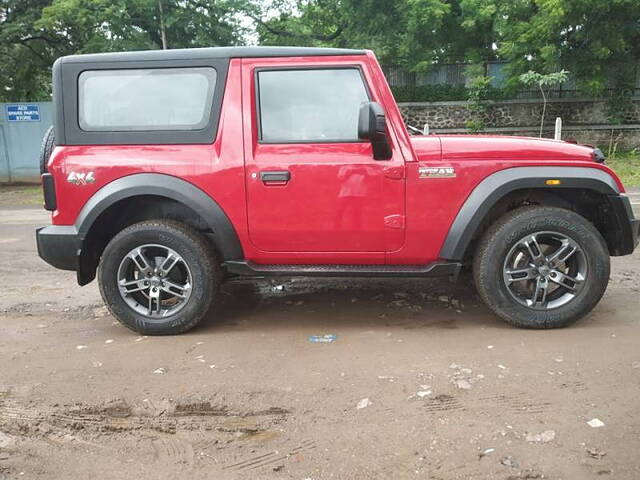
(26, 52)
(592, 38)
(400, 32)
(542, 82)
(114, 25)
(33, 33)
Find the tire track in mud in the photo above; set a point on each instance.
(119, 416)
(271, 457)
(517, 402)
(174, 432)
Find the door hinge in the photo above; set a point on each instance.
(394, 221)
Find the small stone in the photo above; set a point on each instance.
(96, 364)
(108, 341)
(544, 437)
(595, 453)
(502, 367)
(490, 347)
(423, 393)
(463, 384)
(99, 312)
(509, 462)
(558, 360)
(160, 370)
(443, 299)
(6, 440)
(81, 347)
(595, 423)
(364, 403)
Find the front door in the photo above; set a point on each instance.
(312, 185)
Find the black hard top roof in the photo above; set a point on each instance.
(208, 53)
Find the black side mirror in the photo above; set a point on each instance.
(372, 125)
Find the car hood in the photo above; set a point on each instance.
(494, 147)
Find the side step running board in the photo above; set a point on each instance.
(250, 269)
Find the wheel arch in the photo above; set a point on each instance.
(147, 196)
(580, 189)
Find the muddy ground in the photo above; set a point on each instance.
(452, 392)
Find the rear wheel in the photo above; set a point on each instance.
(158, 277)
(541, 267)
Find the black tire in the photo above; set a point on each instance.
(197, 254)
(46, 148)
(499, 240)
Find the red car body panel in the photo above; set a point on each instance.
(340, 206)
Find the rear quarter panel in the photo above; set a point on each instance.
(217, 168)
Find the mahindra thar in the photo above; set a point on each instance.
(168, 172)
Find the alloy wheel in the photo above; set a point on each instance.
(545, 270)
(154, 280)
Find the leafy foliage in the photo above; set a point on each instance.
(477, 96)
(33, 33)
(597, 40)
(542, 81)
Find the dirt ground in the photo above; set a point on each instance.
(447, 390)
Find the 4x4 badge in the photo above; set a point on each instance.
(436, 172)
(81, 178)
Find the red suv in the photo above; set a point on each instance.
(171, 171)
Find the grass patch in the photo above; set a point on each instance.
(627, 166)
(23, 195)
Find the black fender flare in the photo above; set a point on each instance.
(494, 187)
(224, 234)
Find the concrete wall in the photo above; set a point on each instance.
(583, 120)
(20, 144)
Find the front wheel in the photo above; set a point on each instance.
(541, 267)
(158, 277)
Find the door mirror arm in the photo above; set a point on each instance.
(372, 125)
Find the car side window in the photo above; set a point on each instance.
(145, 99)
(310, 105)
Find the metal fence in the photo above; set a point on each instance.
(454, 74)
(22, 126)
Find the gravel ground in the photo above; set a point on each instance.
(420, 382)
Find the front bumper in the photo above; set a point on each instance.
(59, 246)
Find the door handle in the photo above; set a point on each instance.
(278, 177)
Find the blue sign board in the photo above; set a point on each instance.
(23, 113)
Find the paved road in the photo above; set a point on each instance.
(452, 392)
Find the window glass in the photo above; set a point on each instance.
(145, 99)
(310, 105)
